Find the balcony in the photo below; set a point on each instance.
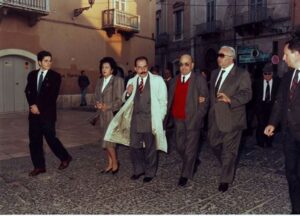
(209, 29)
(115, 21)
(162, 40)
(253, 22)
(32, 9)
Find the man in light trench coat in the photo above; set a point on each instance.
(139, 123)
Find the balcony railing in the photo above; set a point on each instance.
(209, 27)
(120, 20)
(253, 16)
(37, 6)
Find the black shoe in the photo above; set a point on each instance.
(223, 187)
(37, 171)
(136, 177)
(147, 179)
(64, 164)
(105, 171)
(182, 181)
(116, 170)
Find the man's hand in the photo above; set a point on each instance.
(269, 130)
(201, 99)
(129, 89)
(34, 109)
(98, 105)
(104, 107)
(224, 98)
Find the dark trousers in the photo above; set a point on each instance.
(263, 115)
(38, 129)
(225, 146)
(144, 156)
(292, 168)
(187, 146)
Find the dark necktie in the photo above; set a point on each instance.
(219, 83)
(141, 85)
(40, 81)
(294, 84)
(268, 95)
(183, 79)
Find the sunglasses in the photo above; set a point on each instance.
(184, 64)
(222, 55)
(267, 73)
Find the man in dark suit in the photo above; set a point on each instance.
(188, 104)
(230, 90)
(41, 92)
(286, 111)
(264, 93)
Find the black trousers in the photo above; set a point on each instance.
(37, 130)
(263, 115)
(292, 168)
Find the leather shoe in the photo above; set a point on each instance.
(147, 179)
(106, 171)
(223, 187)
(37, 171)
(136, 177)
(182, 181)
(64, 164)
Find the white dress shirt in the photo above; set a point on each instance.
(186, 77)
(265, 87)
(38, 76)
(225, 74)
(105, 82)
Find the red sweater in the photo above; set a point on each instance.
(179, 101)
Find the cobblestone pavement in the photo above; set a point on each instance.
(260, 186)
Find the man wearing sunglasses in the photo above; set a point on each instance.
(187, 104)
(264, 92)
(230, 91)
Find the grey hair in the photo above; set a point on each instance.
(232, 50)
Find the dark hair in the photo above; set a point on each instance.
(110, 61)
(42, 54)
(294, 44)
(139, 59)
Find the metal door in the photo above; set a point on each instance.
(13, 74)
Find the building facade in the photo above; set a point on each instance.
(256, 28)
(78, 33)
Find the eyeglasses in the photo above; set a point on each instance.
(267, 73)
(184, 64)
(222, 55)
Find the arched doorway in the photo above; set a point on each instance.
(211, 59)
(13, 73)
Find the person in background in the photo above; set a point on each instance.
(41, 91)
(83, 82)
(108, 96)
(264, 93)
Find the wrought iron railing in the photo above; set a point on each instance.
(208, 27)
(113, 18)
(252, 16)
(28, 5)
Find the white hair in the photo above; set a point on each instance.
(231, 49)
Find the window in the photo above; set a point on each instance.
(120, 5)
(178, 9)
(210, 11)
(258, 10)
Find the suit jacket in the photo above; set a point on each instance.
(237, 86)
(258, 89)
(46, 98)
(194, 111)
(284, 111)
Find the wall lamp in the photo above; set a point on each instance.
(79, 11)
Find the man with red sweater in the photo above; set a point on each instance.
(187, 103)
